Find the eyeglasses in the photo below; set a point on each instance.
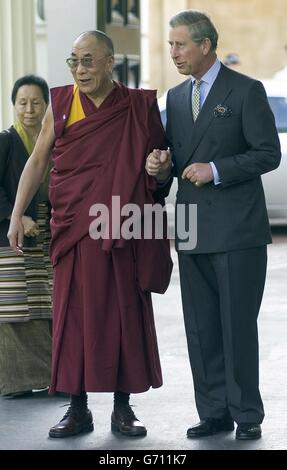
(87, 62)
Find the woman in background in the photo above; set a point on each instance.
(25, 281)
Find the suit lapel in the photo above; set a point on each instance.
(185, 124)
(185, 107)
(217, 95)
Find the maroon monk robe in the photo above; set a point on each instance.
(104, 336)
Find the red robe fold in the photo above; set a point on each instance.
(104, 336)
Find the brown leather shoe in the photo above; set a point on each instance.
(74, 422)
(123, 420)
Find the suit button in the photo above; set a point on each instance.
(179, 144)
(208, 202)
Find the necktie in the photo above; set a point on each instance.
(196, 99)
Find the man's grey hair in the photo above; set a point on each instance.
(101, 37)
(199, 24)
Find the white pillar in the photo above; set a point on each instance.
(66, 19)
(145, 44)
(17, 51)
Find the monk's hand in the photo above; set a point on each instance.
(31, 228)
(158, 164)
(16, 234)
(198, 173)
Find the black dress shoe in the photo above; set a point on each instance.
(74, 422)
(248, 431)
(123, 420)
(210, 426)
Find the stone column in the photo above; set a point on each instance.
(163, 74)
(17, 52)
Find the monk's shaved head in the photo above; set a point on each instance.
(101, 38)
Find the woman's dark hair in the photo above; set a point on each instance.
(31, 80)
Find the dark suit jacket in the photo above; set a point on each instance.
(240, 137)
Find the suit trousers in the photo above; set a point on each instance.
(221, 297)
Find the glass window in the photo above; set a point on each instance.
(133, 69)
(133, 12)
(40, 7)
(279, 107)
(115, 11)
(119, 72)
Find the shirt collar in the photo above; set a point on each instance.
(210, 76)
